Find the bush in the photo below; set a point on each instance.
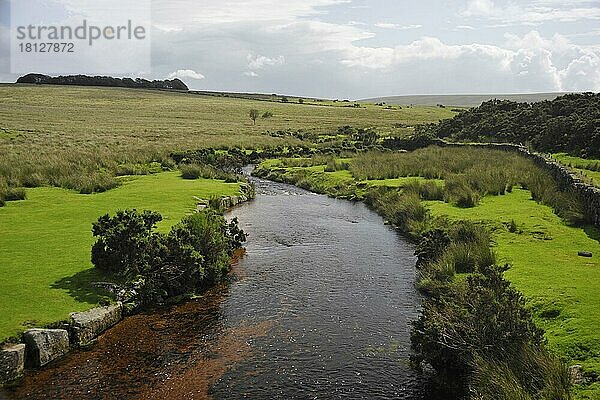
(196, 253)
(426, 190)
(459, 193)
(485, 317)
(14, 194)
(197, 171)
(126, 242)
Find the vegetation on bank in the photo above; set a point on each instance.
(588, 169)
(569, 124)
(45, 242)
(155, 267)
(471, 313)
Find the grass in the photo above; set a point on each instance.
(588, 168)
(561, 287)
(80, 137)
(45, 242)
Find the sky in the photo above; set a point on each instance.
(368, 48)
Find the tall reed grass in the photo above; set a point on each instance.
(470, 174)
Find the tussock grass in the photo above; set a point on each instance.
(196, 171)
(74, 137)
(470, 174)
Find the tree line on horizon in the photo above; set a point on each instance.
(84, 80)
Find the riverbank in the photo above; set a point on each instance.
(542, 248)
(41, 346)
(45, 243)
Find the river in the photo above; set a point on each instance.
(319, 307)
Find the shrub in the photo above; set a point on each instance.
(432, 246)
(459, 192)
(196, 252)
(197, 171)
(126, 242)
(485, 316)
(426, 190)
(14, 194)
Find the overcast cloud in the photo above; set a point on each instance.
(366, 48)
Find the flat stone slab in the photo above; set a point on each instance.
(45, 345)
(12, 362)
(88, 325)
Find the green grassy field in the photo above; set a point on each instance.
(45, 243)
(46, 130)
(560, 286)
(589, 169)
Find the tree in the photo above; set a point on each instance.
(254, 114)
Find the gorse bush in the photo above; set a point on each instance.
(11, 194)
(196, 252)
(126, 242)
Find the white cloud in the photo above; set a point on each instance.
(256, 62)
(465, 27)
(186, 73)
(533, 13)
(479, 8)
(387, 25)
(251, 74)
(186, 13)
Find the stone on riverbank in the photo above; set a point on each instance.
(45, 345)
(88, 325)
(12, 362)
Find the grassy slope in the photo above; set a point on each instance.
(44, 117)
(45, 242)
(561, 287)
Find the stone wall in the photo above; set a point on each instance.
(565, 178)
(42, 346)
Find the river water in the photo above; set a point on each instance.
(319, 307)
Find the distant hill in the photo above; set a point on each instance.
(106, 81)
(466, 100)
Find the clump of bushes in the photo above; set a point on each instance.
(197, 171)
(154, 266)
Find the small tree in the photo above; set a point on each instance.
(254, 114)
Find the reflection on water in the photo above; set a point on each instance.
(319, 307)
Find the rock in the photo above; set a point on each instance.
(585, 254)
(12, 362)
(88, 325)
(45, 345)
(576, 373)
